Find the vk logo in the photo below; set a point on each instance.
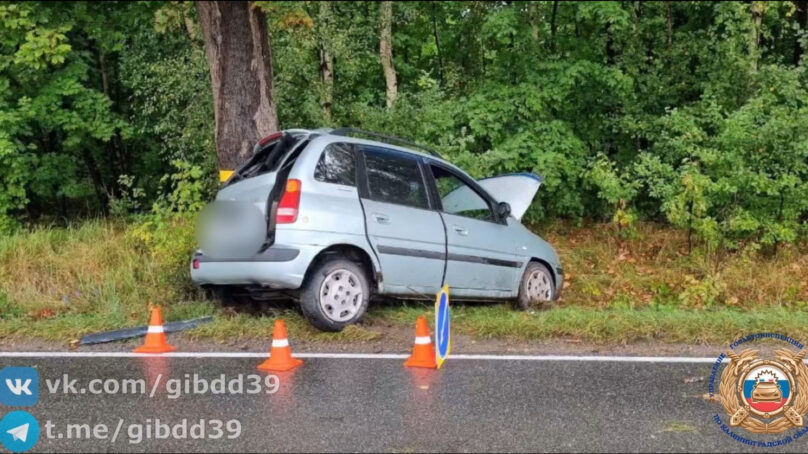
(19, 431)
(19, 386)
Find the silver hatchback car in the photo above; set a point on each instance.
(349, 218)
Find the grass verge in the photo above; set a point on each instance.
(601, 326)
(57, 284)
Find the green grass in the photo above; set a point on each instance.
(607, 326)
(57, 284)
(669, 325)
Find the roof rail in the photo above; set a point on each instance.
(348, 131)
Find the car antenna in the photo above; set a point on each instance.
(348, 131)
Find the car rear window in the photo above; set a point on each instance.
(267, 159)
(395, 179)
(337, 165)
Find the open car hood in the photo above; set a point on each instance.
(518, 189)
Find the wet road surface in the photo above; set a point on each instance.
(378, 405)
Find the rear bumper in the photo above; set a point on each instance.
(277, 267)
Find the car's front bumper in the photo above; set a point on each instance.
(277, 267)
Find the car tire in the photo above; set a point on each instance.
(537, 286)
(335, 294)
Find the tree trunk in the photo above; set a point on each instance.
(802, 21)
(102, 66)
(114, 156)
(757, 21)
(533, 15)
(240, 59)
(190, 26)
(669, 36)
(611, 53)
(553, 25)
(326, 59)
(386, 51)
(437, 44)
(95, 177)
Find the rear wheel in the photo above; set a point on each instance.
(536, 287)
(335, 294)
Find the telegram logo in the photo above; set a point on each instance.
(19, 431)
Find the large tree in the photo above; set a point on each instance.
(386, 51)
(325, 31)
(240, 59)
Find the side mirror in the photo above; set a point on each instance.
(503, 210)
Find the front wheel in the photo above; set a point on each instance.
(335, 294)
(537, 286)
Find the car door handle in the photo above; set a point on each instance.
(381, 218)
(460, 230)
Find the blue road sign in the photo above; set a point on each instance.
(443, 337)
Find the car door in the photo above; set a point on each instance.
(405, 232)
(480, 258)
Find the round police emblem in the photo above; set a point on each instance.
(765, 395)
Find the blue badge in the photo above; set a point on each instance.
(19, 431)
(19, 386)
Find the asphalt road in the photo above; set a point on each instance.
(378, 405)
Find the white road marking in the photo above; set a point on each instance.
(580, 358)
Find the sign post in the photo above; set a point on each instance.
(443, 338)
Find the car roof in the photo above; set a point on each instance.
(327, 134)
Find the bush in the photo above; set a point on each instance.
(166, 235)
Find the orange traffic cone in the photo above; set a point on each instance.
(280, 354)
(155, 337)
(423, 355)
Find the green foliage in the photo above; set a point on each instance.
(49, 117)
(166, 234)
(166, 240)
(689, 112)
(702, 293)
(94, 106)
(189, 189)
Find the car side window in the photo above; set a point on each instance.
(337, 165)
(459, 198)
(395, 179)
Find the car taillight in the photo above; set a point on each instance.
(289, 204)
(196, 264)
